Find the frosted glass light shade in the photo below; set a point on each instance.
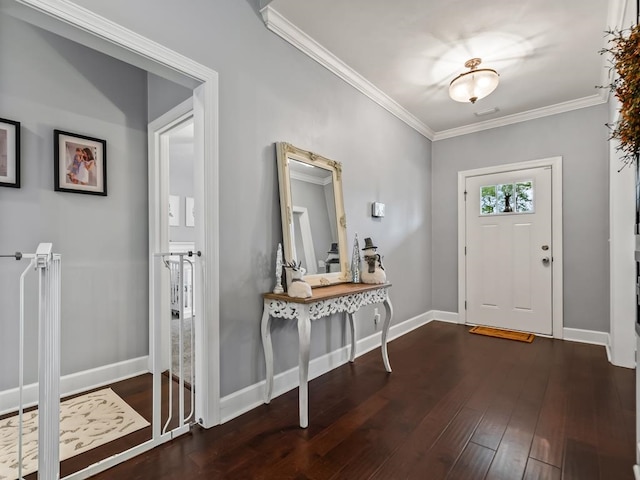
(474, 84)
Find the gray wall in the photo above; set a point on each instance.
(164, 95)
(47, 82)
(580, 137)
(269, 91)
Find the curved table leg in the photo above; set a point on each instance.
(268, 352)
(304, 336)
(385, 332)
(352, 327)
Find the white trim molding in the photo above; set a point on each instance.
(285, 29)
(205, 104)
(586, 336)
(296, 37)
(77, 382)
(597, 99)
(556, 228)
(442, 316)
(622, 242)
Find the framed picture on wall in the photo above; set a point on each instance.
(80, 163)
(174, 210)
(9, 153)
(189, 216)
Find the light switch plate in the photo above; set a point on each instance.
(377, 209)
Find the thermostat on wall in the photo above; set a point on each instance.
(377, 209)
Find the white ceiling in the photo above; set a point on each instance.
(404, 53)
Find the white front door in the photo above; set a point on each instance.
(509, 253)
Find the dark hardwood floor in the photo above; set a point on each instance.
(137, 392)
(457, 406)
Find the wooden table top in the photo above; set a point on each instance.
(330, 291)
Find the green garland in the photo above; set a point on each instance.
(624, 47)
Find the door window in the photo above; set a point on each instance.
(507, 198)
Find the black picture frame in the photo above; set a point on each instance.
(80, 163)
(9, 153)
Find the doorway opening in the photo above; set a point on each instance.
(175, 268)
(510, 246)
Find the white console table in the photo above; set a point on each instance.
(345, 298)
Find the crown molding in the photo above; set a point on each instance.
(110, 31)
(584, 102)
(296, 37)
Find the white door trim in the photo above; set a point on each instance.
(158, 184)
(556, 233)
(307, 241)
(206, 107)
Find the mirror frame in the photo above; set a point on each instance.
(285, 152)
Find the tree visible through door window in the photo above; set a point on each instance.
(488, 200)
(507, 198)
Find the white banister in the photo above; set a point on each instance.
(47, 264)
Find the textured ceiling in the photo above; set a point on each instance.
(546, 51)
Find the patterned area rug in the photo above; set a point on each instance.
(508, 334)
(86, 422)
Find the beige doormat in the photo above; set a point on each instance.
(499, 333)
(86, 422)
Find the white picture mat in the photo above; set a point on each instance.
(9, 150)
(174, 210)
(189, 213)
(66, 150)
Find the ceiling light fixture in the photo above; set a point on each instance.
(475, 84)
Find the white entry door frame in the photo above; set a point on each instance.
(555, 163)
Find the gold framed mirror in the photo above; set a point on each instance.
(314, 226)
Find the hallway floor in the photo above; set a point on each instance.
(457, 406)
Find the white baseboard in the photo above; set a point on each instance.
(237, 403)
(442, 316)
(76, 382)
(586, 336)
(571, 334)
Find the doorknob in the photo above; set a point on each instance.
(546, 260)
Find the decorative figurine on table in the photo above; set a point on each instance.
(333, 259)
(373, 271)
(355, 261)
(278, 288)
(298, 288)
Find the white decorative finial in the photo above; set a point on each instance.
(278, 288)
